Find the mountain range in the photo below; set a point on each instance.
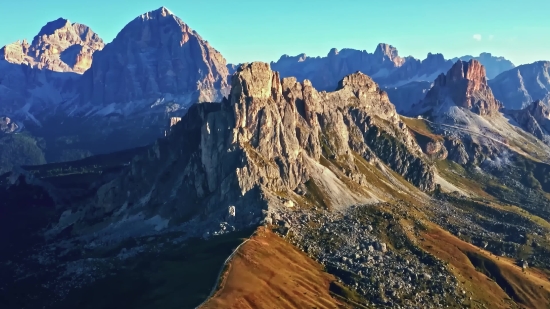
(79, 96)
(148, 172)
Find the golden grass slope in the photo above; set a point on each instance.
(268, 272)
(490, 281)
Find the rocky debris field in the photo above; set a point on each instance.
(368, 250)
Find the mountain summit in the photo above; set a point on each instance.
(155, 57)
(464, 85)
(60, 46)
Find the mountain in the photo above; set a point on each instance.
(36, 77)
(273, 145)
(60, 46)
(154, 69)
(464, 86)
(519, 87)
(265, 142)
(404, 212)
(385, 66)
(493, 65)
(154, 60)
(462, 108)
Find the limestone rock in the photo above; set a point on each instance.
(60, 46)
(267, 140)
(464, 85)
(7, 125)
(153, 56)
(436, 150)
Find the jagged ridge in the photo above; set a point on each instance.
(250, 154)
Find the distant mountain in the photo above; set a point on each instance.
(464, 86)
(155, 60)
(155, 68)
(35, 77)
(519, 87)
(405, 96)
(384, 65)
(493, 65)
(60, 46)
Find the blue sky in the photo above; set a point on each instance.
(263, 30)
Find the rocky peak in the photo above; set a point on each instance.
(357, 80)
(53, 26)
(332, 52)
(158, 13)
(386, 50)
(434, 59)
(59, 46)
(472, 71)
(464, 85)
(156, 57)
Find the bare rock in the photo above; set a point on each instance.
(464, 85)
(7, 125)
(60, 46)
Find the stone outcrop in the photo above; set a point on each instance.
(464, 85)
(465, 150)
(60, 46)
(387, 52)
(7, 125)
(435, 150)
(521, 86)
(257, 149)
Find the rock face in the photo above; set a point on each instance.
(7, 126)
(35, 77)
(60, 46)
(156, 57)
(534, 118)
(493, 65)
(257, 148)
(519, 87)
(464, 85)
